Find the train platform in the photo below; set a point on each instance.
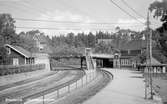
(127, 87)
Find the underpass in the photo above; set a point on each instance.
(104, 60)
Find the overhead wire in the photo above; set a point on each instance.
(69, 28)
(126, 12)
(27, 5)
(133, 9)
(80, 22)
(130, 7)
(23, 19)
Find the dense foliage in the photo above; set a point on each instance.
(7, 35)
(80, 40)
(159, 8)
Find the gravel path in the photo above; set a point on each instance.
(127, 87)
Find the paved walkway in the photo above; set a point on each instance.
(127, 87)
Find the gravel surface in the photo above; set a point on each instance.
(27, 80)
(7, 79)
(127, 87)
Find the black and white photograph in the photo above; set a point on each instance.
(83, 51)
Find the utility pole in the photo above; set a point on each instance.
(148, 79)
(151, 70)
(147, 57)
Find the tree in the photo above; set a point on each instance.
(70, 39)
(104, 48)
(7, 29)
(26, 40)
(7, 35)
(4, 59)
(91, 40)
(159, 9)
(117, 29)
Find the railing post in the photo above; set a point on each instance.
(43, 99)
(22, 102)
(82, 81)
(76, 84)
(68, 88)
(58, 93)
(90, 76)
(86, 78)
(164, 69)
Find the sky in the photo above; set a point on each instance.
(65, 16)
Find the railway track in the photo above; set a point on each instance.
(82, 94)
(36, 90)
(3, 87)
(107, 74)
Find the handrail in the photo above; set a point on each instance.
(69, 86)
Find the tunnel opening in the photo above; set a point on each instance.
(105, 63)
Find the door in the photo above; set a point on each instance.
(15, 61)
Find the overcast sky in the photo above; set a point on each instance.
(84, 11)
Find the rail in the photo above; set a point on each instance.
(60, 91)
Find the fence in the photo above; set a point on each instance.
(10, 69)
(62, 91)
(57, 64)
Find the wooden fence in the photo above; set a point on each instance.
(10, 69)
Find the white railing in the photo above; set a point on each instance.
(61, 92)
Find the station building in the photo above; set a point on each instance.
(126, 51)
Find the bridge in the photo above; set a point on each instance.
(100, 60)
(102, 56)
(104, 60)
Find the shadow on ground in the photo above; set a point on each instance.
(136, 77)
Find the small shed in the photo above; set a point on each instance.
(19, 55)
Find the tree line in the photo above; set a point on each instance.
(69, 43)
(76, 42)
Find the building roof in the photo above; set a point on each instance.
(20, 50)
(135, 45)
(153, 61)
(129, 45)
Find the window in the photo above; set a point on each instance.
(8, 51)
(15, 61)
